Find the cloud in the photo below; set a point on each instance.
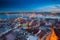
(49, 8)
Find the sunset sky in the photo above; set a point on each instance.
(29, 5)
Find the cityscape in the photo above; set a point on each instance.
(30, 26)
(29, 19)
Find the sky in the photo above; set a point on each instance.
(29, 5)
